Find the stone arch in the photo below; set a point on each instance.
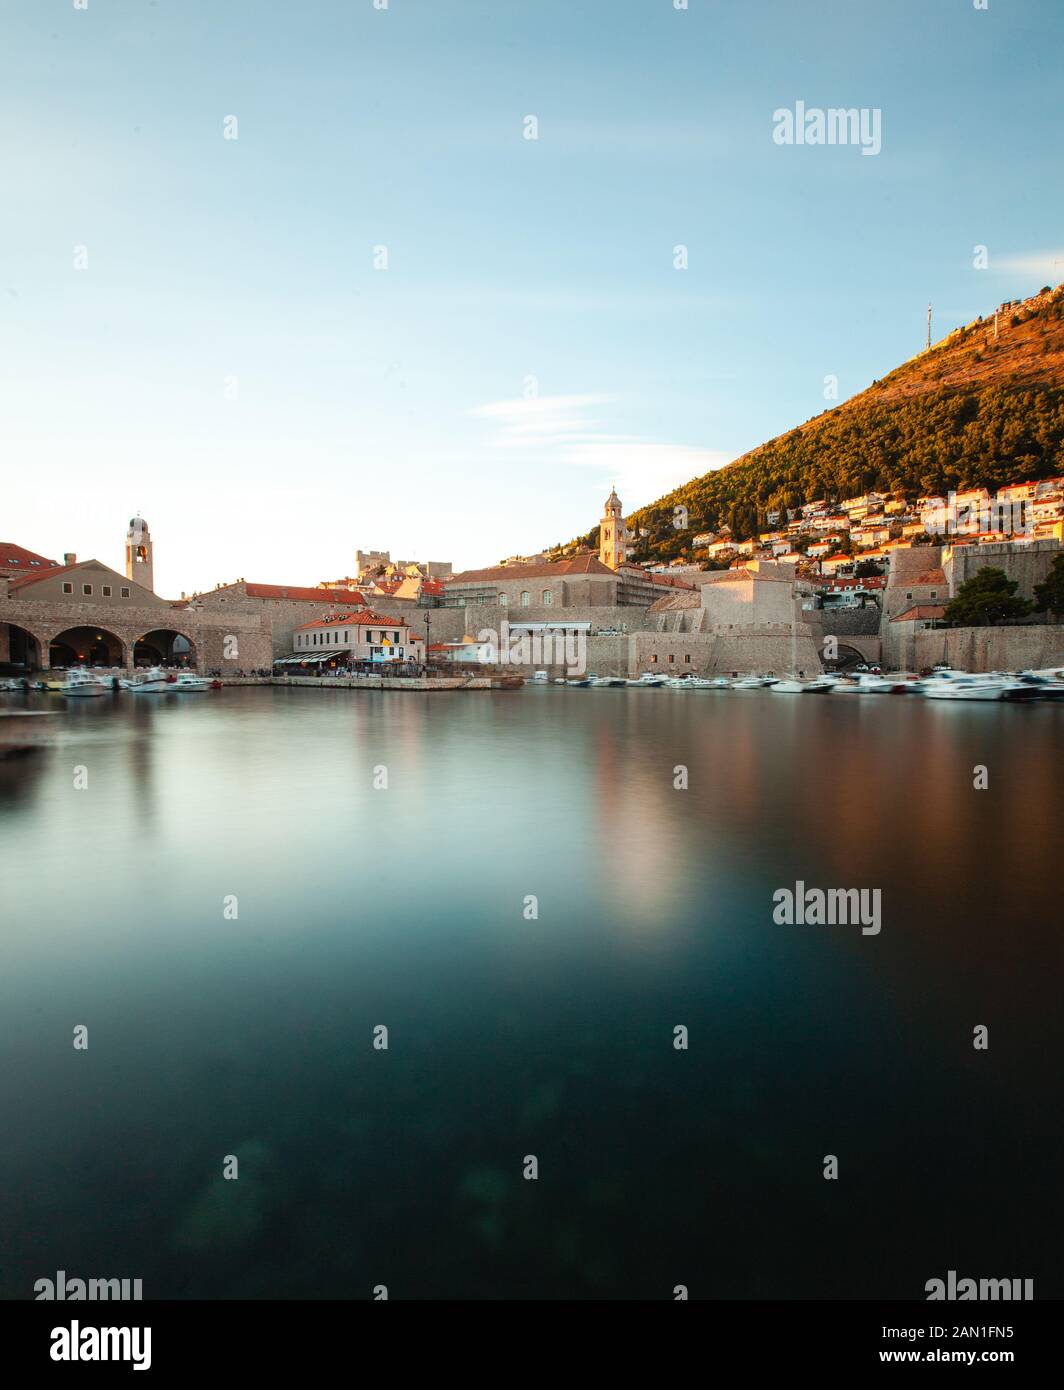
(163, 646)
(86, 644)
(848, 657)
(20, 649)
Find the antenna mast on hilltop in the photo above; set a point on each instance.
(929, 328)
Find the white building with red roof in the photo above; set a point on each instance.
(355, 636)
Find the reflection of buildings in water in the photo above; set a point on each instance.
(21, 772)
(636, 830)
(140, 756)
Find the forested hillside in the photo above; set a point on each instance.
(976, 410)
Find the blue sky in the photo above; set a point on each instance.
(230, 363)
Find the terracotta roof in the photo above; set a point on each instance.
(920, 610)
(741, 572)
(23, 581)
(294, 593)
(364, 618)
(19, 560)
(580, 564)
(668, 581)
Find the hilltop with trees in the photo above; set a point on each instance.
(976, 410)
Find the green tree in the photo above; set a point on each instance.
(987, 598)
(1049, 595)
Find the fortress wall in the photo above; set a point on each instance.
(1026, 564)
(991, 648)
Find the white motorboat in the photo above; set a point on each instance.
(608, 680)
(80, 685)
(797, 687)
(704, 683)
(538, 678)
(158, 682)
(152, 682)
(964, 688)
(648, 679)
(579, 683)
(750, 683)
(882, 685)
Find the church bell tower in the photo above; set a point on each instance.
(139, 564)
(612, 533)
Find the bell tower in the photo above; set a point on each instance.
(139, 563)
(612, 533)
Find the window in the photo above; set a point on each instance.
(107, 591)
(671, 657)
(86, 588)
(68, 588)
(524, 598)
(503, 600)
(934, 593)
(347, 637)
(908, 595)
(369, 638)
(654, 658)
(687, 659)
(125, 593)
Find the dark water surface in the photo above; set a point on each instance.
(511, 1037)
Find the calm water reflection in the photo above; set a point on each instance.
(552, 1037)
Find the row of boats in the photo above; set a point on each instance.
(80, 684)
(943, 683)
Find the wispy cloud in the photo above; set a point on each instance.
(565, 430)
(1049, 265)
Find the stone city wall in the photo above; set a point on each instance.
(1032, 647)
(1026, 564)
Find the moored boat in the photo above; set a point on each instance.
(79, 684)
(964, 688)
(158, 682)
(1044, 689)
(802, 687)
